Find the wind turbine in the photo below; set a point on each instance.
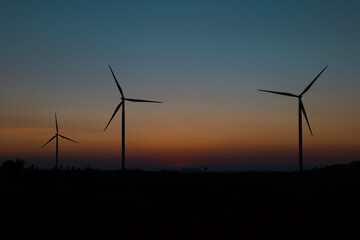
(57, 135)
(301, 110)
(122, 103)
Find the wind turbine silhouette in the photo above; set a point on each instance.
(301, 110)
(122, 103)
(57, 135)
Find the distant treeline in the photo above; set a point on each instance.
(352, 168)
(12, 167)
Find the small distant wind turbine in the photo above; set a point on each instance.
(301, 110)
(122, 103)
(57, 135)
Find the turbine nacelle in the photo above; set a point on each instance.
(57, 134)
(123, 99)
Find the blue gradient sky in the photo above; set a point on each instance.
(204, 59)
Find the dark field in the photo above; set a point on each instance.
(137, 204)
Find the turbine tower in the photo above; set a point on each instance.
(122, 103)
(301, 110)
(57, 135)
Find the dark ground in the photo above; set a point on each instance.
(137, 204)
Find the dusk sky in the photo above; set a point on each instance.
(204, 59)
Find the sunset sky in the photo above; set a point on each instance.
(204, 59)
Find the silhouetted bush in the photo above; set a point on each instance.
(11, 167)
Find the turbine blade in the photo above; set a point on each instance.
(68, 138)
(57, 128)
(281, 93)
(116, 110)
(141, 100)
(307, 120)
(309, 86)
(48, 141)
(117, 83)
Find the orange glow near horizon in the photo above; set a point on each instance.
(184, 144)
